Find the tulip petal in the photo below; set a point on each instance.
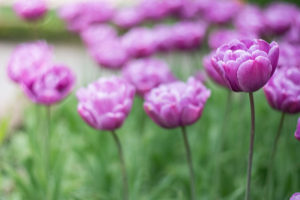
(190, 114)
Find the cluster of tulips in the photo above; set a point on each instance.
(238, 62)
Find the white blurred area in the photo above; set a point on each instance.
(58, 3)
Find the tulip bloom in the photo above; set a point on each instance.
(283, 90)
(30, 9)
(295, 196)
(28, 59)
(178, 104)
(246, 66)
(139, 42)
(297, 136)
(128, 17)
(289, 55)
(146, 74)
(109, 54)
(211, 71)
(104, 105)
(51, 86)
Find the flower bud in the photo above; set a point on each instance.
(30, 9)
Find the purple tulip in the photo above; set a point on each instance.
(211, 71)
(139, 42)
(96, 34)
(146, 74)
(220, 12)
(246, 65)
(222, 36)
(51, 86)
(80, 15)
(30, 9)
(106, 103)
(28, 59)
(283, 90)
(192, 9)
(154, 9)
(109, 54)
(128, 17)
(280, 16)
(289, 55)
(250, 19)
(293, 34)
(176, 104)
(295, 196)
(163, 36)
(188, 35)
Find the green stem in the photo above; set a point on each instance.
(123, 166)
(273, 154)
(47, 147)
(190, 163)
(251, 148)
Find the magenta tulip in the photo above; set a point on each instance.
(246, 65)
(146, 74)
(96, 34)
(154, 9)
(28, 59)
(51, 86)
(293, 34)
(109, 54)
(139, 42)
(289, 55)
(128, 17)
(106, 103)
(176, 104)
(283, 90)
(163, 37)
(211, 71)
(295, 196)
(30, 9)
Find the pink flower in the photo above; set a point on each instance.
(128, 17)
(293, 34)
(163, 37)
(96, 34)
(280, 16)
(109, 54)
(246, 65)
(211, 71)
(154, 9)
(139, 42)
(146, 74)
(106, 103)
(289, 55)
(295, 196)
(222, 36)
(28, 59)
(51, 86)
(30, 9)
(80, 15)
(283, 90)
(176, 104)
(188, 35)
(250, 19)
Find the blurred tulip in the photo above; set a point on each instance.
(176, 104)
(280, 16)
(289, 55)
(283, 90)
(79, 15)
(222, 36)
(109, 54)
(163, 37)
(250, 20)
(211, 71)
(139, 42)
(105, 104)
(28, 59)
(128, 17)
(154, 9)
(96, 34)
(295, 196)
(293, 34)
(51, 86)
(246, 65)
(146, 74)
(188, 35)
(30, 9)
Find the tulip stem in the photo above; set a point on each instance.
(190, 163)
(47, 145)
(274, 150)
(123, 168)
(251, 148)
